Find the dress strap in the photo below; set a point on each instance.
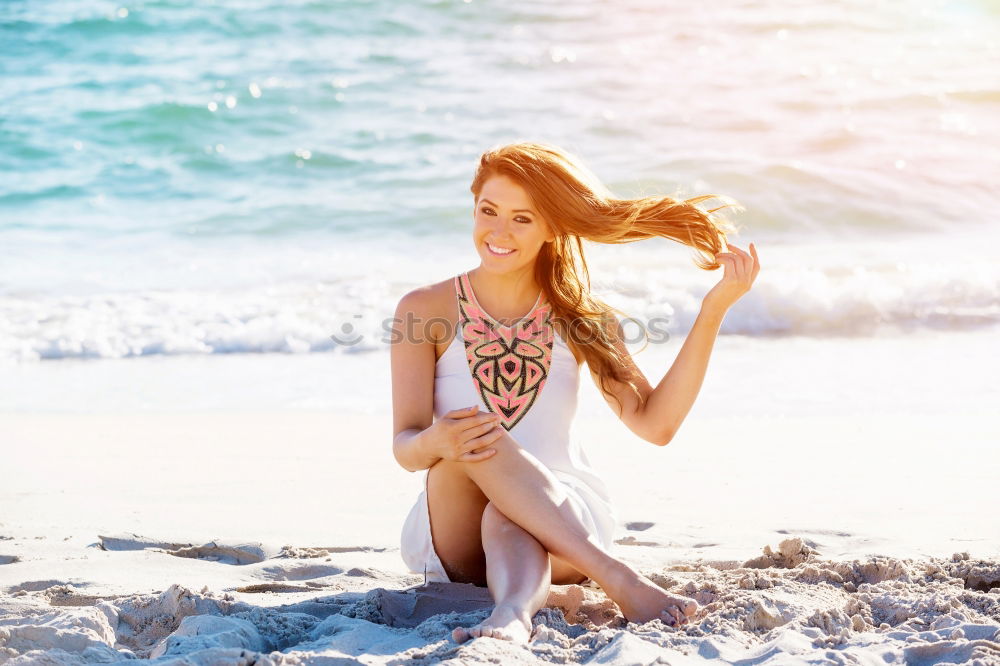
(459, 291)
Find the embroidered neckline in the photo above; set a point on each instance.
(487, 315)
(509, 364)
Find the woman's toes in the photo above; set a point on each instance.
(685, 608)
(673, 616)
(497, 625)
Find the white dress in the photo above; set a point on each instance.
(528, 375)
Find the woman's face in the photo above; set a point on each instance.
(508, 232)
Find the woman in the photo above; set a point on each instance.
(509, 499)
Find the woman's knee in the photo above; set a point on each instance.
(453, 473)
(494, 520)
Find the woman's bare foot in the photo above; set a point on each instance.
(642, 600)
(504, 622)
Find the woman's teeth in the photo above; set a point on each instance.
(498, 250)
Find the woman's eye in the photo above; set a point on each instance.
(524, 220)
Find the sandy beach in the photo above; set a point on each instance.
(220, 537)
(209, 212)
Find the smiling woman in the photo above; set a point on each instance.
(544, 218)
(508, 235)
(208, 215)
(497, 241)
(510, 500)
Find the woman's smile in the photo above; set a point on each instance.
(499, 250)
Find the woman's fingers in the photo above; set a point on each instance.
(475, 448)
(725, 258)
(477, 452)
(477, 420)
(729, 262)
(751, 256)
(461, 413)
(481, 429)
(491, 435)
(745, 263)
(468, 425)
(739, 270)
(756, 261)
(476, 456)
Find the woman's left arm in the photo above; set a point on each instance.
(659, 415)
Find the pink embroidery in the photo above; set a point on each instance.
(509, 364)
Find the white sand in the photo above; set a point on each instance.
(201, 537)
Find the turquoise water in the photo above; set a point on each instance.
(213, 177)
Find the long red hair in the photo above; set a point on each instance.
(578, 206)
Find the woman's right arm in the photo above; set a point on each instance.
(419, 441)
(412, 359)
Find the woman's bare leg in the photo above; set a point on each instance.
(525, 491)
(456, 505)
(518, 573)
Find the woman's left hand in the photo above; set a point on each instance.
(739, 271)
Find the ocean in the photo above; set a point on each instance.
(242, 180)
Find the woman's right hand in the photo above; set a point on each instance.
(461, 435)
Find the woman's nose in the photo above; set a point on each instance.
(502, 225)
